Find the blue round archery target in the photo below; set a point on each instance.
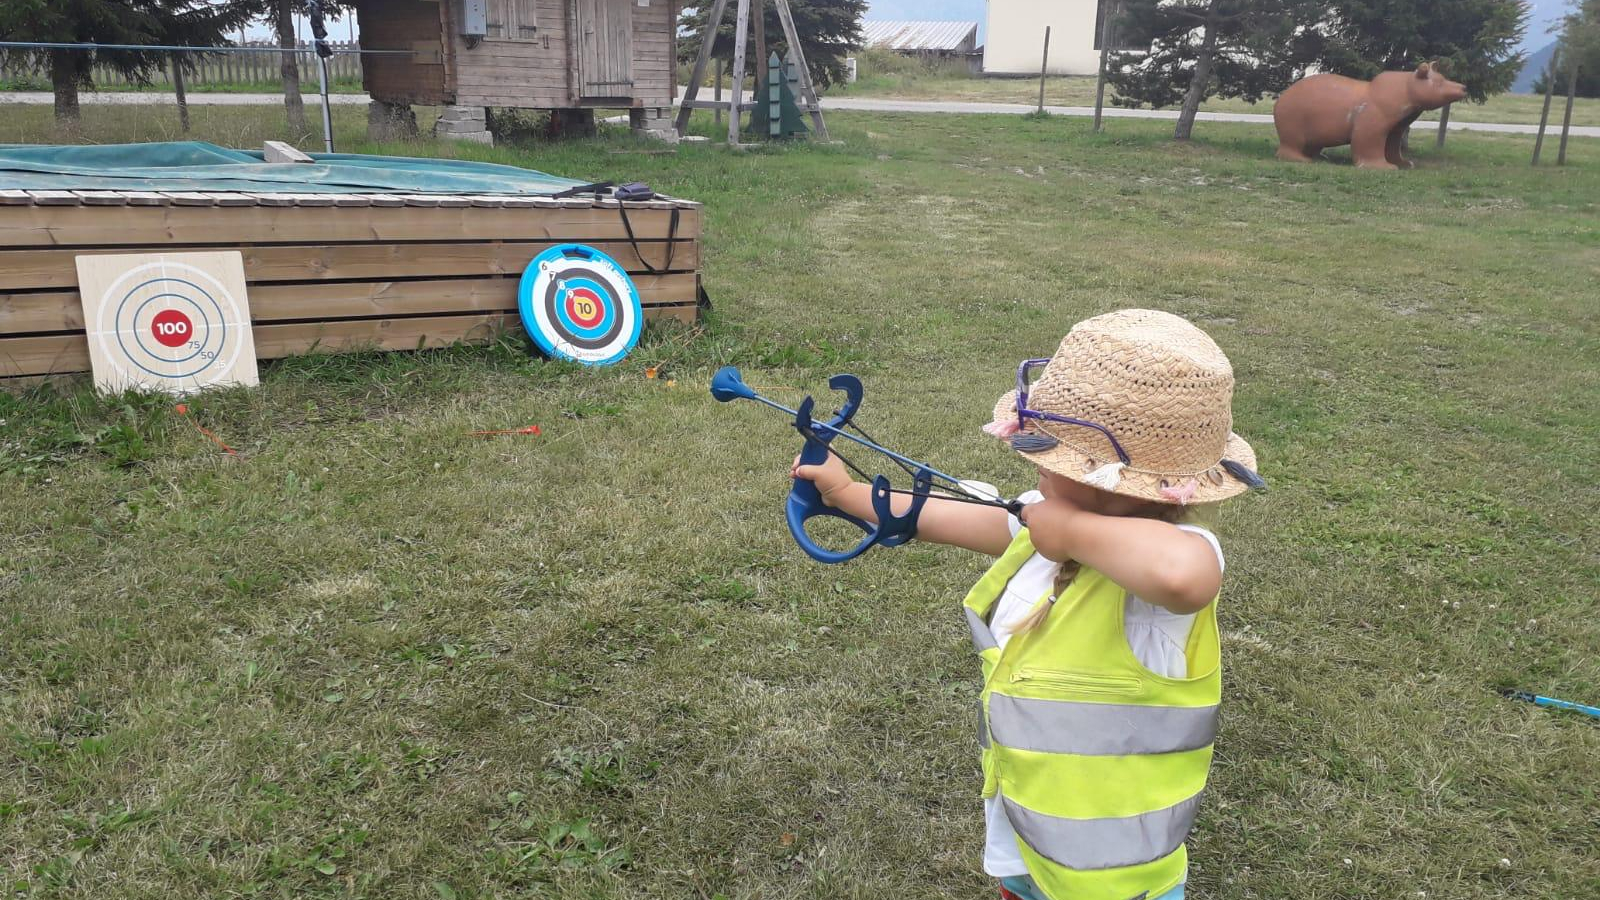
(570, 276)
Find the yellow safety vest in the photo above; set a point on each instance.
(1100, 762)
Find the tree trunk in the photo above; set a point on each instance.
(64, 78)
(1197, 83)
(289, 71)
(181, 92)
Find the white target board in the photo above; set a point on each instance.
(175, 322)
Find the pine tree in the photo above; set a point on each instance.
(181, 22)
(828, 29)
(1189, 50)
(1474, 40)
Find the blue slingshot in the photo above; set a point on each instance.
(805, 501)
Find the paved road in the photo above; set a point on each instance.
(842, 103)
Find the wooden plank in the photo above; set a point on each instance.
(25, 270)
(49, 311)
(54, 354)
(270, 199)
(33, 226)
(280, 152)
(231, 198)
(55, 198)
(188, 198)
(146, 198)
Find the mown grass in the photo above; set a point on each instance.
(375, 657)
(912, 80)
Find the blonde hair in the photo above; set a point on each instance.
(1203, 514)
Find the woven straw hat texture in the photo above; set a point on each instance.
(1158, 383)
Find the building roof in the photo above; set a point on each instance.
(919, 35)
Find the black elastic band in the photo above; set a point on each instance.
(672, 243)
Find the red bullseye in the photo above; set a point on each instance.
(172, 328)
(585, 307)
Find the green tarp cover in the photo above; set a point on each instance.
(196, 166)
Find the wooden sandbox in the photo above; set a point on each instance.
(329, 271)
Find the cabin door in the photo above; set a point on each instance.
(605, 48)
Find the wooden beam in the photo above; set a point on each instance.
(80, 226)
(24, 270)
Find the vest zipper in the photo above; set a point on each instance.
(1079, 682)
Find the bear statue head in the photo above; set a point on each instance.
(1431, 90)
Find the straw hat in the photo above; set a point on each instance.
(1160, 386)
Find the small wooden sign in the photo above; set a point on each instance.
(175, 322)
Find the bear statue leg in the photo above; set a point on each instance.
(1392, 146)
(1369, 139)
(1295, 153)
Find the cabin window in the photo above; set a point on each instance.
(513, 20)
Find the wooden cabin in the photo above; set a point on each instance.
(567, 55)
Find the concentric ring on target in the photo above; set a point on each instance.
(167, 326)
(578, 304)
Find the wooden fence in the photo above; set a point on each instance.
(215, 69)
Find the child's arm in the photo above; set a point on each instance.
(1156, 561)
(968, 525)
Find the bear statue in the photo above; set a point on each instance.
(1326, 110)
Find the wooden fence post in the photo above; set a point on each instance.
(1544, 115)
(1566, 120)
(1044, 66)
(1444, 122)
(1105, 53)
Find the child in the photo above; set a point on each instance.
(1096, 625)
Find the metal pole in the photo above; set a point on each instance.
(1044, 65)
(327, 112)
(716, 91)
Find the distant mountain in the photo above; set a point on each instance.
(1538, 61)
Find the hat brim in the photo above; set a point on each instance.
(1212, 485)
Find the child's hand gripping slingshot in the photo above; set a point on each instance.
(806, 502)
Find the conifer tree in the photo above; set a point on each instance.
(145, 22)
(1179, 52)
(1475, 41)
(828, 30)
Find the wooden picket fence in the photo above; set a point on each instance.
(215, 69)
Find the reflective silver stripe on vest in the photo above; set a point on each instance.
(1086, 844)
(983, 726)
(1099, 729)
(982, 637)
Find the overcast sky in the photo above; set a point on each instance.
(1545, 14)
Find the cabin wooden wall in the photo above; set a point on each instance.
(538, 71)
(416, 25)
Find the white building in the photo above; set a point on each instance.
(1014, 42)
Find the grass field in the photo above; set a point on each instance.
(374, 657)
(913, 81)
